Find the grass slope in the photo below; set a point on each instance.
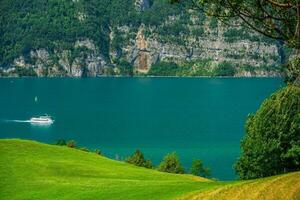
(31, 170)
(283, 187)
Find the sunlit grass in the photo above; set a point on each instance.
(283, 187)
(31, 170)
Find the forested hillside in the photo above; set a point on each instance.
(126, 37)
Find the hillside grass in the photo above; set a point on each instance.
(283, 187)
(32, 170)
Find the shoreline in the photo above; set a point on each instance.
(73, 77)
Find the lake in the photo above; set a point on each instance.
(199, 118)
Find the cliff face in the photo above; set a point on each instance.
(88, 61)
(180, 38)
(144, 51)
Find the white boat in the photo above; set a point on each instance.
(43, 120)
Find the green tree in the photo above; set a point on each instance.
(272, 142)
(71, 144)
(138, 159)
(98, 152)
(148, 164)
(225, 69)
(171, 164)
(164, 69)
(61, 142)
(198, 169)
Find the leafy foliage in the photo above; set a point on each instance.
(138, 159)
(71, 144)
(56, 26)
(164, 69)
(292, 72)
(275, 19)
(61, 142)
(272, 141)
(195, 68)
(171, 164)
(198, 169)
(98, 152)
(21, 71)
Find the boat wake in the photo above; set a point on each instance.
(18, 121)
(21, 121)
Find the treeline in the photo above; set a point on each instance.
(170, 163)
(195, 68)
(55, 25)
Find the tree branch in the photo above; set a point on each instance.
(282, 5)
(260, 31)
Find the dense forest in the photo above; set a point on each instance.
(55, 26)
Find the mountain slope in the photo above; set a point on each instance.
(31, 170)
(126, 37)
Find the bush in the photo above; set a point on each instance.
(98, 151)
(198, 169)
(71, 144)
(138, 159)
(125, 68)
(225, 69)
(22, 71)
(61, 142)
(292, 71)
(164, 69)
(148, 164)
(272, 142)
(171, 164)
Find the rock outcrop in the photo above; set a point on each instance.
(142, 5)
(86, 61)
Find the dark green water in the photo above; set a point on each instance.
(196, 117)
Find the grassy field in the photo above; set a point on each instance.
(31, 170)
(281, 187)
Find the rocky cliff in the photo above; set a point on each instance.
(182, 38)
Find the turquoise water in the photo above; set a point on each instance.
(196, 117)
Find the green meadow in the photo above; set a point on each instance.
(32, 170)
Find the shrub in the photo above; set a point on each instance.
(164, 69)
(171, 164)
(138, 159)
(225, 69)
(98, 151)
(61, 142)
(71, 144)
(272, 142)
(22, 71)
(198, 169)
(292, 71)
(148, 164)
